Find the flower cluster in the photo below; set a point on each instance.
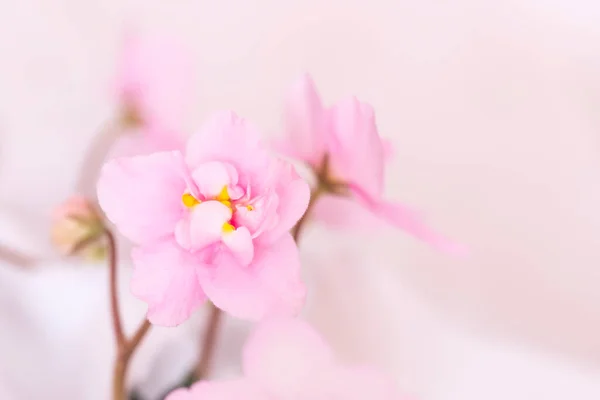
(212, 220)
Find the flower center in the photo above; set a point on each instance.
(189, 201)
(227, 227)
(223, 197)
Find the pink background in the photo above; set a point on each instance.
(493, 108)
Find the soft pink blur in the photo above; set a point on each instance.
(492, 107)
(287, 359)
(154, 77)
(153, 80)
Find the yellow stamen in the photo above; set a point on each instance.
(250, 207)
(189, 200)
(223, 196)
(227, 227)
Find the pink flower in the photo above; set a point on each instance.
(285, 359)
(343, 147)
(153, 83)
(214, 224)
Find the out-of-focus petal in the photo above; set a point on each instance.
(240, 389)
(285, 355)
(409, 220)
(75, 206)
(154, 77)
(388, 149)
(304, 123)
(142, 195)
(345, 213)
(270, 286)
(180, 394)
(165, 277)
(356, 153)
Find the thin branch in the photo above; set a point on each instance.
(209, 343)
(114, 291)
(124, 357)
(16, 258)
(137, 337)
(125, 347)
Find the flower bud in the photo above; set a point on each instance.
(77, 228)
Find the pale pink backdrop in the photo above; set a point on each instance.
(493, 107)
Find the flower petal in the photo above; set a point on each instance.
(345, 213)
(212, 176)
(220, 390)
(356, 152)
(142, 195)
(240, 243)
(283, 355)
(403, 217)
(228, 138)
(305, 123)
(388, 149)
(203, 225)
(294, 195)
(270, 285)
(180, 394)
(165, 277)
(260, 217)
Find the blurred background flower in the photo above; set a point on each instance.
(286, 358)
